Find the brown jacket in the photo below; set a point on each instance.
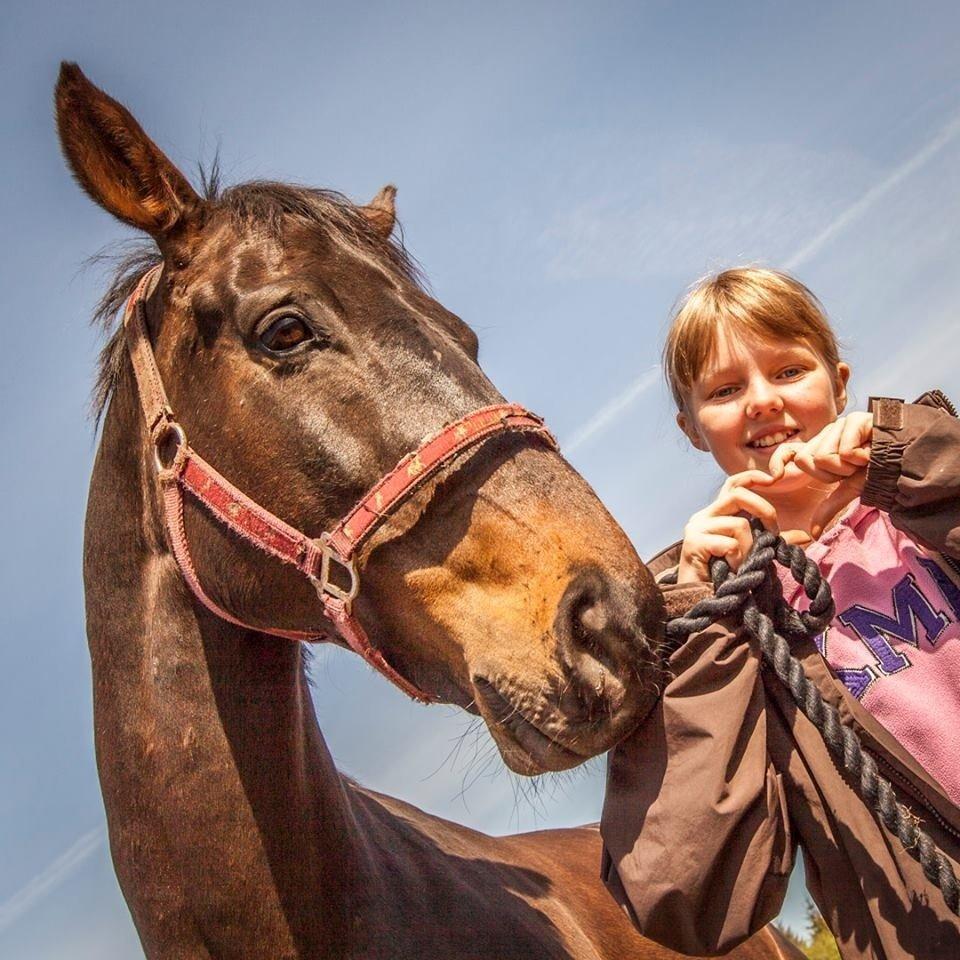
(708, 799)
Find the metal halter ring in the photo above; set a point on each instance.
(170, 439)
(323, 584)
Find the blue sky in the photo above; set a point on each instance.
(565, 170)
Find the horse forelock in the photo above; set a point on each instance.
(259, 204)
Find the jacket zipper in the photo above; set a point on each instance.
(951, 563)
(939, 399)
(907, 787)
(947, 405)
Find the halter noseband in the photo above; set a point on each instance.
(180, 468)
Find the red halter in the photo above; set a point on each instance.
(180, 468)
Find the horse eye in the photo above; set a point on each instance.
(285, 333)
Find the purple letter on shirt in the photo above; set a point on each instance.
(876, 630)
(950, 591)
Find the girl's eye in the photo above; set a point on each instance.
(721, 393)
(286, 333)
(791, 372)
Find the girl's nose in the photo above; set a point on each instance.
(762, 399)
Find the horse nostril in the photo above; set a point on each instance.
(593, 632)
(593, 618)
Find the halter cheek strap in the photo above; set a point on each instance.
(180, 469)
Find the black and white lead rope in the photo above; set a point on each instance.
(754, 592)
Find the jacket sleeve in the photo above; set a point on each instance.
(697, 845)
(914, 470)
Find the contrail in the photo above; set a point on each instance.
(608, 413)
(858, 209)
(51, 878)
(612, 410)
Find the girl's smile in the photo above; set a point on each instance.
(766, 440)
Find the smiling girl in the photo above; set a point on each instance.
(707, 801)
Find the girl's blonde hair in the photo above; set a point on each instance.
(755, 301)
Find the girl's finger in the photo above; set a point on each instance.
(819, 458)
(827, 441)
(715, 545)
(741, 498)
(780, 457)
(858, 456)
(699, 550)
(837, 451)
(800, 538)
(737, 528)
(747, 478)
(855, 439)
(741, 532)
(826, 467)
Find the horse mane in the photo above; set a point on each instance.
(260, 204)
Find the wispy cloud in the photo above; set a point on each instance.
(686, 208)
(49, 879)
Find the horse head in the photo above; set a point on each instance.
(303, 358)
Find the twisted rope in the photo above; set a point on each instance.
(755, 592)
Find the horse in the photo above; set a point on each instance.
(289, 334)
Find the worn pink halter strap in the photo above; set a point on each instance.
(180, 468)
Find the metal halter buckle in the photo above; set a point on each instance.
(323, 584)
(167, 442)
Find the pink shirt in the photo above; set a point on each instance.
(895, 641)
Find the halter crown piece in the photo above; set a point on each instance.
(181, 469)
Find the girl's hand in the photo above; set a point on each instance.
(838, 454)
(718, 531)
(840, 450)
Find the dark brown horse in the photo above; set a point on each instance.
(303, 359)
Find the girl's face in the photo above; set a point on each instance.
(755, 394)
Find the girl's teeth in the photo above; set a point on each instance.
(771, 440)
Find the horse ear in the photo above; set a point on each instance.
(115, 162)
(381, 212)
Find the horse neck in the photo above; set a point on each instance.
(229, 823)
